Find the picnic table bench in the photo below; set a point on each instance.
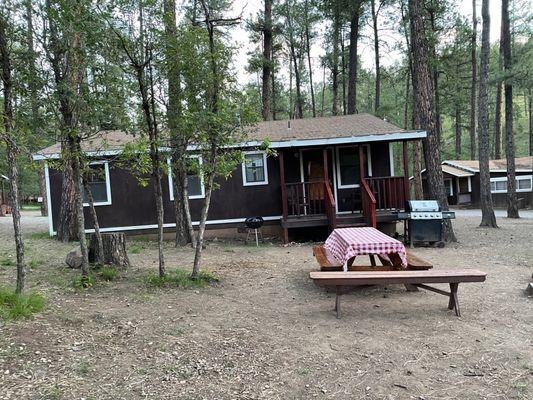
(328, 262)
(342, 281)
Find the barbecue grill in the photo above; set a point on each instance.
(254, 225)
(423, 221)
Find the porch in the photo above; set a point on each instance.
(341, 186)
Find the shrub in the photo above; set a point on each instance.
(15, 306)
(83, 282)
(182, 278)
(108, 273)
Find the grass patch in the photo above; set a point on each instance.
(182, 278)
(108, 273)
(16, 306)
(39, 235)
(33, 264)
(7, 262)
(135, 250)
(83, 282)
(33, 207)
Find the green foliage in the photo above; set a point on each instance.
(7, 261)
(83, 282)
(135, 249)
(182, 278)
(108, 273)
(16, 306)
(40, 236)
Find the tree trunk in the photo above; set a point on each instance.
(417, 170)
(424, 109)
(35, 122)
(343, 73)
(299, 100)
(512, 202)
(530, 124)
(488, 218)
(266, 94)
(322, 106)
(473, 59)
(352, 59)
(376, 56)
(78, 196)
(203, 216)
(96, 235)
(406, 102)
(113, 251)
(67, 228)
(498, 111)
(174, 112)
(335, 60)
(42, 192)
(308, 48)
(9, 137)
(458, 132)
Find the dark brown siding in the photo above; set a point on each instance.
(133, 205)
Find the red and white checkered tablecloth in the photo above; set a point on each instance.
(345, 243)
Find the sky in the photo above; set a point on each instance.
(389, 56)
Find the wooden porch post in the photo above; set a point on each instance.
(361, 163)
(283, 196)
(325, 158)
(406, 170)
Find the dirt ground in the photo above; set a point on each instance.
(266, 332)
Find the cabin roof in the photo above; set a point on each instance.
(285, 133)
(523, 164)
(455, 171)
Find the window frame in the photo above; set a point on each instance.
(450, 191)
(265, 169)
(518, 178)
(108, 202)
(338, 165)
(171, 185)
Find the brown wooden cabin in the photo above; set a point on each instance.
(461, 182)
(327, 172)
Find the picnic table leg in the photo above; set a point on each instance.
(454, 302)
(372, 260)
(338, 301)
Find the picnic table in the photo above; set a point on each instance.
(347, 243)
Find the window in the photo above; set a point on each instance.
(448, 187)
(195, 187)
(348, 166)
(523, 184)
(99, 185)
(499, 185)
(254, 169)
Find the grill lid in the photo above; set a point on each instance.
(422, 205)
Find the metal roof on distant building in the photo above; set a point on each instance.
(523, 164)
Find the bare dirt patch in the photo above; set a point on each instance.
(266, 332)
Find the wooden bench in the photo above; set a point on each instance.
(345, 280)
(329, 263)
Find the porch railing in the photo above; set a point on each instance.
(368, 203)
(388, 191)
(330, 206)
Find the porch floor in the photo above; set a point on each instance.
(343, 220)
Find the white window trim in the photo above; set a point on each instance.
(265, 167)
(520, 177)
(338, 166)
(107, 185)
(450, 192)
(170, 183)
